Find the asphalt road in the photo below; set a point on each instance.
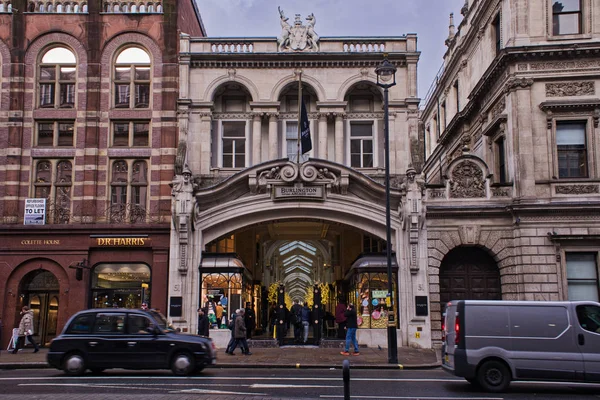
(258, 384)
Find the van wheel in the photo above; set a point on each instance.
(493, 376)
(74, 364)
(182, 364)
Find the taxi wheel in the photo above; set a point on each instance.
(74, 364)
(182, 364)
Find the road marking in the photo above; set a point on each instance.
(208, 391)
(282, 386)
(323, 396)
(225, 378)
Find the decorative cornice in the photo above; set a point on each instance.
(566, 89)
(244, 60)
(567, 105)
(497, 124)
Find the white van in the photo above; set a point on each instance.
(491, 343)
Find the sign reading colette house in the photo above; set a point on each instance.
(121, 241)
(298, 191)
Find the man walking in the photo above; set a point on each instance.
(249, 320)
(239, 332)
(351, 326)
(296, 320)
(25, 330)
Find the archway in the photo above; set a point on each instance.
(39, 290)
(469, 273)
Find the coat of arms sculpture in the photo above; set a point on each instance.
(297, 37)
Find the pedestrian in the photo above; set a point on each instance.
(351, 326)
(219, 314)
(202, 323)
(305, 315)
(231, 326)
(272, 319)
(239, 332)
(249, 319)
(25, 330)
(296, 320)
(340, 318)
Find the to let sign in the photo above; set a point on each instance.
(35, 212)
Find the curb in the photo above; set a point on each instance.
(41, 365)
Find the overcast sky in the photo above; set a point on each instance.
(427, 18)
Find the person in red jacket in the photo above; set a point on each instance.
(340, 318)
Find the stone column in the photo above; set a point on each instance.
(256, 138)
(273, 142)
(321, 151)
(339, 138)
(523, 146)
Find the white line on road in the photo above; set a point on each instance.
(413, 397)
(205, 391)
(290, 386)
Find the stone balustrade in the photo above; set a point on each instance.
(59, 6)
(133, 7)
(232, 47)
(5, 6)
(364, 47)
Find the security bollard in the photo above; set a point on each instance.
(346, 374)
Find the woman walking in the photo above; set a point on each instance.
(26, 330)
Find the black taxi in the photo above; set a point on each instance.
(100, 339)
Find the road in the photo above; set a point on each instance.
(259, 384)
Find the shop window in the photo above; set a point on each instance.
(55, 133)
(361, 144)
(129, 189)
(582, 276)
(571, 149)
(225, 245)
(224, 288)
(53, 182)
(234, 144)
(566, 17)
(131, 134)
(132, 79)
(369, 293)
(120, 285)
(56, 79)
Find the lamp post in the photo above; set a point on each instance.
(386, 78)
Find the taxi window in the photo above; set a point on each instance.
(109, 323)
(81, 324)
(139, 324)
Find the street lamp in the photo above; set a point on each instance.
(386, 78)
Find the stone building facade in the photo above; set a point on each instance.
(510, 135)
(88, 139)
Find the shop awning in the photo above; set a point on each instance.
(371, 262)
(221, 261)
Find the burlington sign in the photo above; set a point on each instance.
(298, 191)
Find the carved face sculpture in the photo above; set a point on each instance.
(187, 177)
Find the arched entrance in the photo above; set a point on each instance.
(40, 291)
(469, 273)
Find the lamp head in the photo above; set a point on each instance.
(386, 73)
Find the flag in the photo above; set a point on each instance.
(305, 140)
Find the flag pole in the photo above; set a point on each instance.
(299, 115)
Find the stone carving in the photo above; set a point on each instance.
(564, 89)
(522, 67)
(292, 173)
(467, 181)
(576, 189)
(500, 192)
(518, 83)
(413, 214)
(437, 194)
(564, 65)
(499, 107)
(297, 37)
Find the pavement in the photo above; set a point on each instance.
(278, 357)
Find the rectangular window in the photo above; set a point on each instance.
(361, 144)
(582, 276)
(131, 134)
(121, 95)
(497, 28)
(443, 116)
(501, 160)
(142, 95)
(291, 139)
(456, 96)
(57, 133)
(571, 149)
(566, 17)
(234, 144)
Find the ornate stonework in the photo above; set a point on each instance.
(499, 107)
(518, 83)
(564, 65)
(576, 189)
(467, 181)
(298, 37)
(564, 89)
(334, 181)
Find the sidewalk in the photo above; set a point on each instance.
(280, 357)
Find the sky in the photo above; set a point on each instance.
(429, 19)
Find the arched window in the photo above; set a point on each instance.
(129, 191)
(57, 76)
(132, 75)
(54, 182)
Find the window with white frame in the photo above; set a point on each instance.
(291, 139)
(234, 144)
(361, 144)
(566, 17)
(55, 133)
(571, 149)
(53, 181)
(582, 276)
(132, 79)
(131, 134)
(56, 79)
(129, 190)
